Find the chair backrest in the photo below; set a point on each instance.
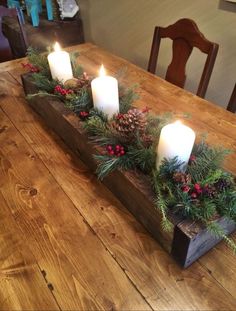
(185, 35)
(232, 102)
(5, 49)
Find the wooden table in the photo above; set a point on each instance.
(66, 243)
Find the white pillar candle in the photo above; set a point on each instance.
(60, 65)
(105, 93)
(176, 140)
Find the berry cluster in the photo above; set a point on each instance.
(117, 150)
(31, 67)
(196, 191)
(83, 115)
(206, 190)
(59, 89)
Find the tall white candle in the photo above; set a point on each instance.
(176, 140)
(60, 65)
(105, 93)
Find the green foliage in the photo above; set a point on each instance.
(94, 112)
(43, 83)
(168, 167)
(39, 60)
(226, 203)
(160, 203)
(126, 98)
(95, 126)
(108, 164)
(208, 160)
(143, 158)
(79, 101)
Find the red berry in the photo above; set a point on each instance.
(197, 187)
(194, 195)
(112, 152)
(192, 158)
(122, 152)
(185, 188)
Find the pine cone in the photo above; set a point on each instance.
(128, 124)
(182, 178)
(222, 184)
(77, 84)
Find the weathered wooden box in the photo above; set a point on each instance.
(186, 242)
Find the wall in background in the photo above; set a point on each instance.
(125, 27)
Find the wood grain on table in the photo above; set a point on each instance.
(66, 243)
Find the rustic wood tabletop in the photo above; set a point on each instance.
(66, 243)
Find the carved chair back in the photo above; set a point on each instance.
(185, 35)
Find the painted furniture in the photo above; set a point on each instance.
(33, 8)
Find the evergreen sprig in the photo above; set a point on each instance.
(39, 60)
(79, 101)
(109, 164)
(208, 159)
(126, 97)
(44, 83)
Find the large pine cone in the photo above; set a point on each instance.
(131, 123)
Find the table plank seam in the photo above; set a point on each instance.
(209, 272)
(49, 285)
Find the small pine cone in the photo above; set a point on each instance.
(210, 191)
(128, 124)
(84, 81)
(222, 184)
(78, 83)
(182, 178)
(147, 140)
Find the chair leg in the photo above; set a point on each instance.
(34, 15)
(49, 10)
(232, 102)
(40, 8)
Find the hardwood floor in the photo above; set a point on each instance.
(66, 243)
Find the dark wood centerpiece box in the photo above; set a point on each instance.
(186, 242)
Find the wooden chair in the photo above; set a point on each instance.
(232, 102)
(185, 35)
(5, 49)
